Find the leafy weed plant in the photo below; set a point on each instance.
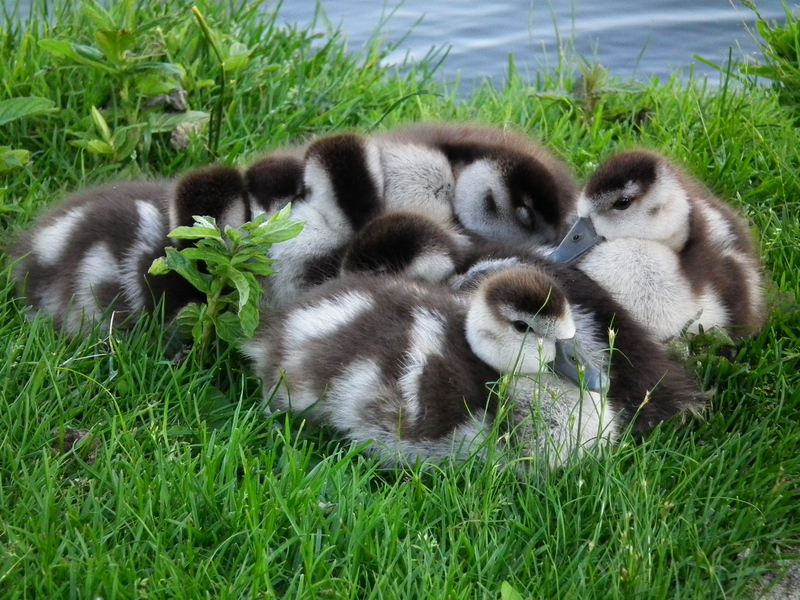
(225, 266)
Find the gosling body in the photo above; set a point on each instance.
(86, 260)
(419, 382)
(669, 251)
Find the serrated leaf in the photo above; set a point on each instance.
(194, 233)
(115, 43)
(159, 267)
(260, 268)
(282, 214)
(207, 255)
(240, 280)
(233, 234)
(176, 261)
(228, 327)
(273, 233)
(206, 221)
(97, 14)
(248, 319)
(163, 122)
(13, 159)
(101, 125)
(25, 106)
(58, 48)
(188, 317)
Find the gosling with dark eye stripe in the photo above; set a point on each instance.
(410, 365)
(669, 251)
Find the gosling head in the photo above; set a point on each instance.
(508, 196)
(404, 243)
(636, 194)
(519, 321)
(343, 175)
(273, 182)
(215, 191)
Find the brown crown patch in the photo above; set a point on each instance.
(526, 290)
(274, 178)
(639, 166)
(207, 192)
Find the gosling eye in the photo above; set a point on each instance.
(521, 326)
(623, 203)
(525, 216)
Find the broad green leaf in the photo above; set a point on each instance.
(13, 159)
(114, 43)
(101, 125)
(168, 69)
(59, 48)
(25, 106)
(509, 593)
(162, 122)
(189, 316)
(208, 255)
(235, 63)
(282, 214)
(248, 319)
(97, 146)
(233, 234)
(97, 14)
(228, 327)
(193, 233)
(272, 233)
(188, 270)
(205, 221)
(239, 279)
(88, 52)
(125, 140)
(259, 268)
(159, 267)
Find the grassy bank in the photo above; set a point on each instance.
(181, 489)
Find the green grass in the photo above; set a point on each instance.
(182, 489)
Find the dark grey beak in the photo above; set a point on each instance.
(577, 242)
(570, 361)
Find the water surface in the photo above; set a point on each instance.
(633, 38)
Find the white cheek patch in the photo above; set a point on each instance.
(50, 242)
(375, 167)
(234, 215)
(322, 235)
(661, 214)
(719, 229)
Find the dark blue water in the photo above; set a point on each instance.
(633, 38)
